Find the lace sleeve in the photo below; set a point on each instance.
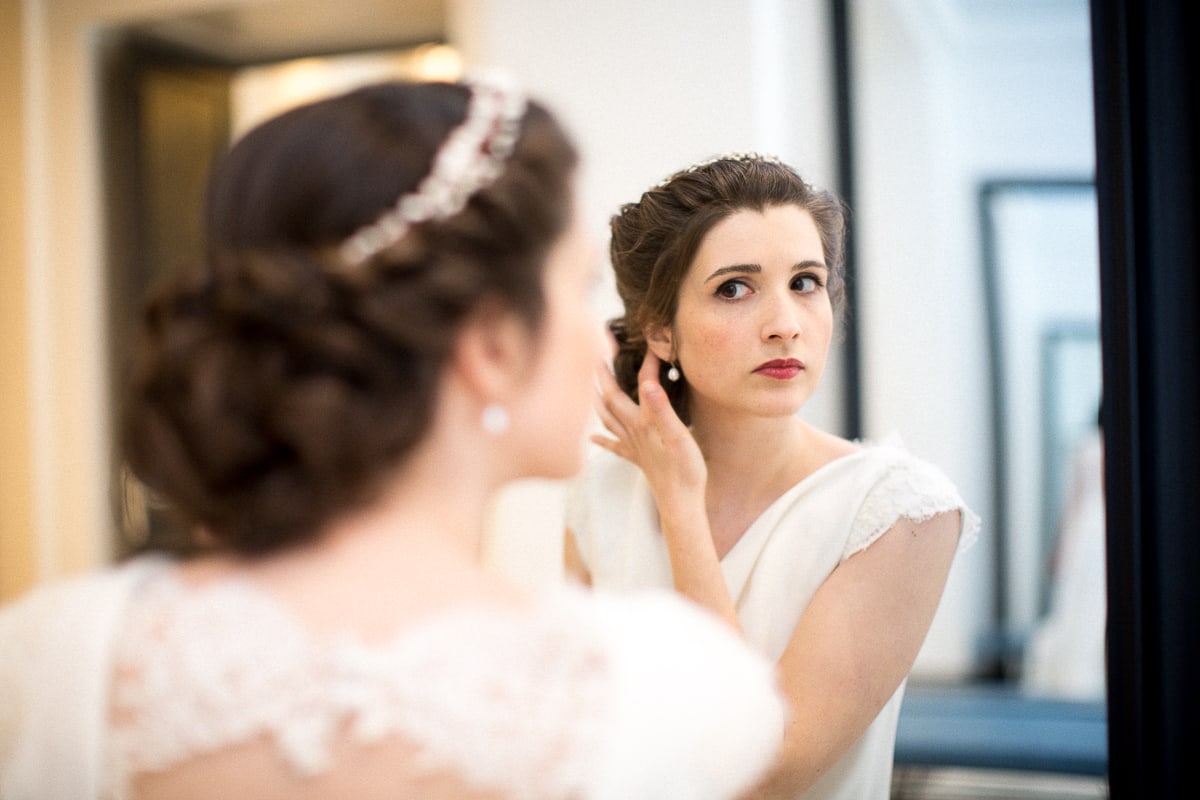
(503, 700)
(913, 489)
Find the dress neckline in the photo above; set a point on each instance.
(794, 489)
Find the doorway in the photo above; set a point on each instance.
(174, 93)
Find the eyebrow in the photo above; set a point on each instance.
(756, 268)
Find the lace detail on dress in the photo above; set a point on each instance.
(495, 696)
(912, 489)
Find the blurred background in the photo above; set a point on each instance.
(960, 132)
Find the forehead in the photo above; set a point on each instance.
(751, 236)
(776, 237)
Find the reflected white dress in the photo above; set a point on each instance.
(1065, 654)
(578, 696)
(779, 563)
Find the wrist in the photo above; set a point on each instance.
(681, 503)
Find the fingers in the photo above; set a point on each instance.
(661, 413)
(632, 422)
(651, 366)
(606, 381)
(618, 413)
(614, 446)
(614, 408)
(610, 420)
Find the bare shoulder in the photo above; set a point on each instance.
(823, 447)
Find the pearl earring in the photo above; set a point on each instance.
(673, 374)
(494, 419)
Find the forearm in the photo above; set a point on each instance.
(695, 567)
(803, 759)
(652, 436)
(853, 646)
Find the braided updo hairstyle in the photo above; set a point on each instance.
(273, 388)
(655, 239)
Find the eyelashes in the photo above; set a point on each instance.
(737, 288)
(815, 281)
(732, 290)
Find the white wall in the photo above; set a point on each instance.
(646, 89)
(65, 337)
(945, 101)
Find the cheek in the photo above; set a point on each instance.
(706, 342)
(820, 340)
(572, 362)
(824, 324)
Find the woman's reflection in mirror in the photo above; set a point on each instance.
(829, 556)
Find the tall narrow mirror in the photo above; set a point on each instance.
(1040, 262)
(977, 272)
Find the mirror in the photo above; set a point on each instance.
(978, 305)
(978, 281)
(1041, 274)
(974, 146)
(957, 106)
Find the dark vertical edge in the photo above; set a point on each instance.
(1145, 95)
(995, 665)
(1168, 412)
(1126, 717)
(114, 66)
(844, 114)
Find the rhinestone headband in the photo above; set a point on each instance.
(471, 158)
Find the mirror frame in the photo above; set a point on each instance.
(1148, 193)
(1006, 645)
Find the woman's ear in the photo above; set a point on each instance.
(493, 352)
(660, 342)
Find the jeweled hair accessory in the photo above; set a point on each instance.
(471, 158)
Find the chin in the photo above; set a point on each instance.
(780, 409)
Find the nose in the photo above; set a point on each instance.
(604, 342)
(781, 317)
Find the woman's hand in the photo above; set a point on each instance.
(652, 436)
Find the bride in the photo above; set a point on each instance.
(390, 323)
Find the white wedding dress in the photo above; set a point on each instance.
(780, 561)
(129, 671)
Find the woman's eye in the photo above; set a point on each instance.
(732, 290)
(806, 283)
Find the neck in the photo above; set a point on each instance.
(417, 548)
(430, 507)
(748, 446)
(428, 504)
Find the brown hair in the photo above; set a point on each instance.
(655, 239)
(272, 388)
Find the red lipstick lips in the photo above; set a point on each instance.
(781, 368)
